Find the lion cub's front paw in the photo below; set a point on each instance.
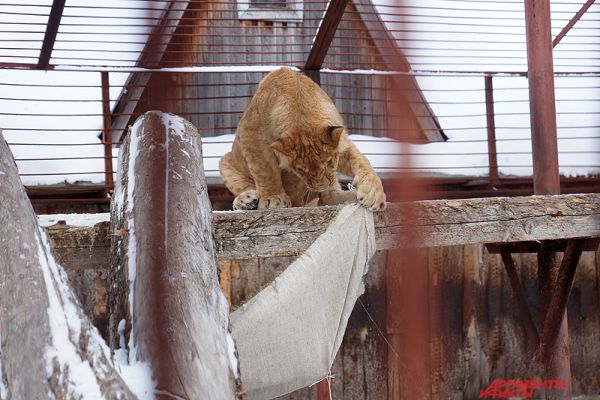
(247, 200)
(282, 200)
(370, 193)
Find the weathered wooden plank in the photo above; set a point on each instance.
(442, 222)
(48, 349)
(288, 232)
(177, 315)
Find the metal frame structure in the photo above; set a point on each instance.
(555, 278)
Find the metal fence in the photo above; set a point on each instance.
(71, 75)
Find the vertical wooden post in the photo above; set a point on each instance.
(107, 132)
(49, 349)
(491, 131)
(179, 318)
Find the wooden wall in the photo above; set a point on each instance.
(464, 357)
(464, 281)
(211, 34)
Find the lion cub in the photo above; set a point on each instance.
(289, 146)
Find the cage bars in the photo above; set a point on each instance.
(52, 26)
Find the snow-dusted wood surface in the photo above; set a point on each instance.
(164, 270)
(247, 234)
(286, 232)
(49, 349)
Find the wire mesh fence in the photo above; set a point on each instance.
(204, 59)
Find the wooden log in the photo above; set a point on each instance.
(165, 259)
(48, 348)
(287, 232)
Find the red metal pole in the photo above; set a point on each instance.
(491, 131)
(107, 133)
(541, 97)
(572, 22)
(323, 390)
(546, 178)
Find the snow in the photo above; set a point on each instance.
(65, 329)
(135, 373)
(132, 242)
(233, 361)
(73, 219)
(3, 387)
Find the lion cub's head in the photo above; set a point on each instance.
(312, 155)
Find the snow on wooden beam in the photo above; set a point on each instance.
(48, 348)
(286, 232)
(164, 275)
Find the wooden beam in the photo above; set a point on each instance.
(150, 57)
(572, 22)
(54, 18)
(395, 59)
(557, 245)
(289, 232)
(325, 33)
(530, 329)
(558, 302)
(35, 300)
(168, 285)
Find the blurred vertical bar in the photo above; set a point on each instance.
(407, 277)
(491, 131)
(546, 178)
(107, 132)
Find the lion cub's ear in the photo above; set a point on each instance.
(333, 135)
(280, 147)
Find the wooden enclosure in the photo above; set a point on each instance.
(475, 333)
(463, 360)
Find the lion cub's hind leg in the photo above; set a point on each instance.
(338, 196)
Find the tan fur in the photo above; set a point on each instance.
(289, 145)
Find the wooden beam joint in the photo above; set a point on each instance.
(325, 33)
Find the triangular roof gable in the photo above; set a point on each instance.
(160, 38)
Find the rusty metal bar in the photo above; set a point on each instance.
(491, 131)
(530, 329)
(541, 97)
(572, 22)
(325, 33)
(323, 392)
(558, 303)
(106, 132)
(54, 18)
(151, 56)
(557, 367)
